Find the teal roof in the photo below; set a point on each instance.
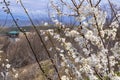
(13, 32)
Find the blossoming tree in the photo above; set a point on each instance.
(97, 56)
(88, 52)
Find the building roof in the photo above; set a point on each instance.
(13, 32)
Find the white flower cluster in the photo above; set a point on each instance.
(72, 33)
(6, 69)
(64, 78)
(79, 64)
(87, 14)
(96, 57)
(116, 50)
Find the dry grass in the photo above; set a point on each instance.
(32, 72)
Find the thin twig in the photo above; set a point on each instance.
(100, 77)
(113, 11)
(98, 3)
(27, 41)
(40, 37)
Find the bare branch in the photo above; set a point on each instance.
(44, 45)
(80, 4)
(113, 11)
(97, 3)
(40, 67)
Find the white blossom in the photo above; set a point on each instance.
(45, 24)
(16, 75)
(8, 65)
(64, 77)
